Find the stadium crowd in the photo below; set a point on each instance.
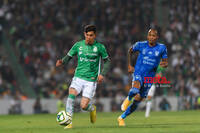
(43, 31)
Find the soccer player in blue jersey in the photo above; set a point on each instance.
(151, 54)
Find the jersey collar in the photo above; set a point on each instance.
(91, 44)
(151, 46)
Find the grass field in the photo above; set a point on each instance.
(159, 122)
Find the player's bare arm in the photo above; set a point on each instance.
(100, 79)
(130, 67)
(136, 84)
(63, 61)
(164, 63)
(59, 63)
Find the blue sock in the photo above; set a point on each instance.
(133, 91)
(130, 109)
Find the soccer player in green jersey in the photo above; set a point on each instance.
(151, 92)
(88, 73)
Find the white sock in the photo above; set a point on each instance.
(148, 108)
(70, 104)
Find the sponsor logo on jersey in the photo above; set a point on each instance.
(81, 48)
(143, 51)
(95, 49)
(87, 60)
(154, 80)
(148, 60)
(156, 53)
(91, 54)
(150, 52)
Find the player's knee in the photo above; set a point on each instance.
(84, 106)
(73, 91)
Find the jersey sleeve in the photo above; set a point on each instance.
(74, 50)
(103, 52)
(164, 54)
(136, 47)
(160, 69)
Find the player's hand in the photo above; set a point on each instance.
(158, 74)
(58, 63)
(164, 64)
(100, 79)
(131, 69)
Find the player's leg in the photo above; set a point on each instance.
(86, 101)
(74, 90)
(133, 91)
(149, 100)
(130, 109)
(148, 106)
(133, 106)
(86, 104)
(70, 100)
(70, 104)
(137, 99)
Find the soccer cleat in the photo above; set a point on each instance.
(125, 104)
(93, 115)
(121, 122)
(68, 126)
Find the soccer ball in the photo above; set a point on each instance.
(64, 118)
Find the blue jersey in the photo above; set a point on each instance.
(149, 58)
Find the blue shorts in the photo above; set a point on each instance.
(144, 86)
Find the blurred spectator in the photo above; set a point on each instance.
(198, 102)
(99, 105)
(164, 105)
(15, 107)
(37, 107)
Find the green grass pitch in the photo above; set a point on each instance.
(158, 122)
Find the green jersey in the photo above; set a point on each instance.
(160, 69)
(89, 59)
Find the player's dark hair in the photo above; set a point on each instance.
(156, 29)
(88, 28)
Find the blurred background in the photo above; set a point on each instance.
(34, 34)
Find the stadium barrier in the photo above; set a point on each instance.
(50, 105)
